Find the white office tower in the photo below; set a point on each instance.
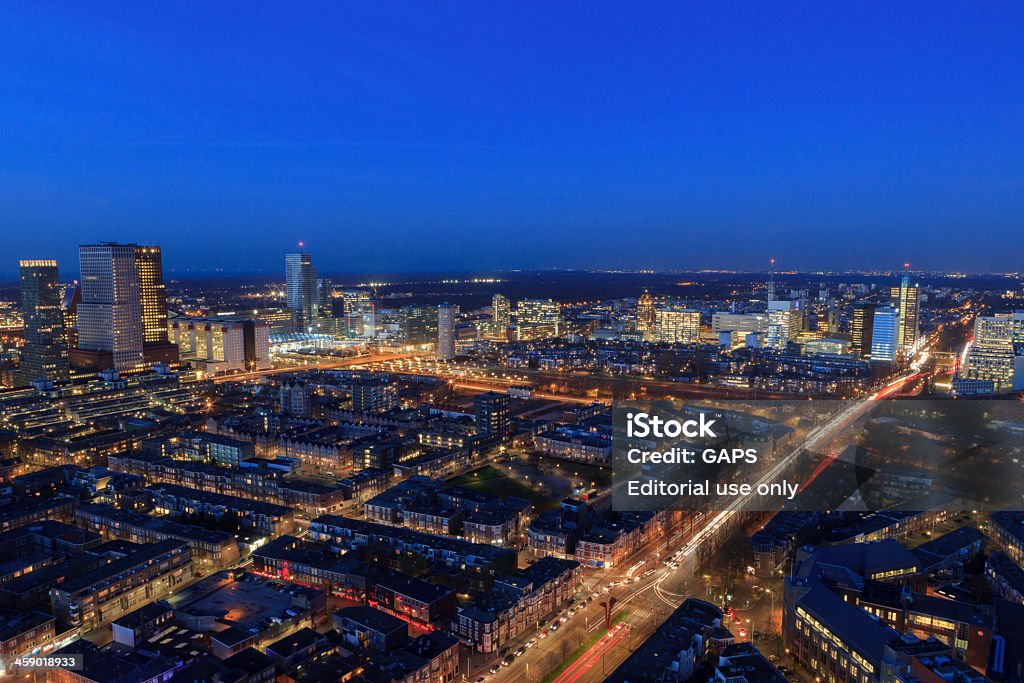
(301, 290)
(885, 333)
(445, 332)
(784, 324)
(677, 326)
(992, 363)
(110, 315)
(738, 326)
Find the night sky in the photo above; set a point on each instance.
(468, 136)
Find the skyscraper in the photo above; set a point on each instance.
(906, 299)
(861, 328)
(110, 329)
(301, 290)
(325, 297)
(360, 314)
(646, 315)
(885, 331)
(152, 294)
(501, 313)
(419, 325)
(69, 308)
(45, 354)
(784, 324)
(445, 332)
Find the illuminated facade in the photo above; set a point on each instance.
(646, 316)
(419, 325)
(218, 346)
(446, 332)
(360, 314)
(152, 294)
(784, 324)
(541, 312)
(742, 323)
(110, 315)
(301, 290)
(45, 354)
(885, 334)
(677, 326)
(992, 356)
(906, 299)
(862, 328)
(502, 313)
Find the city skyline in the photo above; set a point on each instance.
(526, 343)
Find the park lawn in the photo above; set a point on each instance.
(492, 481)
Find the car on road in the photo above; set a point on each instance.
(784, 670)
(508, 660)
(531, 642)
(495, 669)
(481, 679)
(520, 651)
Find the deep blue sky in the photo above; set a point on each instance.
(461, 135)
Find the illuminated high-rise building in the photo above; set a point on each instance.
(784, 324)
(325, 298)
(992, 356)
(677, 326)
(445, 332)
(69, 309)
(44, 355)
(152, 294)
(906, 299)
(861, 328)
(110, 329)
(539, 313)
(360, 313)
(885, 334)
(301, 290)
(419, 325)
(501, 313)
(493, 413)
(156, 348)
(646, 315)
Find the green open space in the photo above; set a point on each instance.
(492, 481)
